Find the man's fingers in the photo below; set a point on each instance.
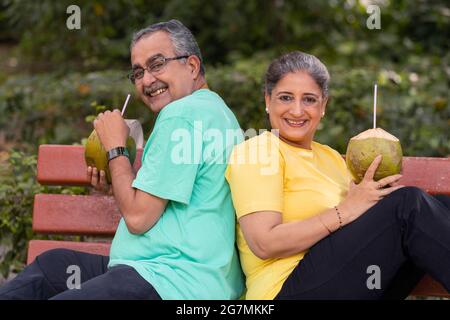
(98, 180)
(94, 179)
(103, 182)
(372, 168)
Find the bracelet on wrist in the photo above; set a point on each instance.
(339, 217)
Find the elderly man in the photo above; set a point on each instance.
(176, 236)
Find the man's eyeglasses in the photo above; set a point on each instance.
(154, 65)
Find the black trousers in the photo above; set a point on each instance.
(380, 255)
(53, 276)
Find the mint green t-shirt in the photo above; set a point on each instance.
(190, 252)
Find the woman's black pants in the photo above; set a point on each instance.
(380, 255)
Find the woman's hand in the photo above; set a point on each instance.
(98, 180)
(368, 192)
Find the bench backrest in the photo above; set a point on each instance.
(92, 215)
(98, 215)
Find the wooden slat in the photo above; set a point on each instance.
(430, 287)
(36, 247)
(430, 174)
(65, 165)
(75, 214)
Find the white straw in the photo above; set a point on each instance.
(125, 104)
(375, 107)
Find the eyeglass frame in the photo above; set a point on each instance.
(165, 61)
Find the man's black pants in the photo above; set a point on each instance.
(52, 276)
(380, 255)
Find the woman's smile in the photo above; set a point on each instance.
(296, 123)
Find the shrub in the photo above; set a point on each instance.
(18, 186)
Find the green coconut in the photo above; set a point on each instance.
(363, 148)
(95, 154)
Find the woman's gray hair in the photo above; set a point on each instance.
(182, 38)
(293, 62)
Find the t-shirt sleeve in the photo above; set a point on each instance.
(256, 182)
(170, 164)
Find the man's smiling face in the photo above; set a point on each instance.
(174, 81)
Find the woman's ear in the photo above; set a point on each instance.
(194, 63)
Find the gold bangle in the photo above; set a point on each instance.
(320, 219)
(339, 217)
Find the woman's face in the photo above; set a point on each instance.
(295, 108)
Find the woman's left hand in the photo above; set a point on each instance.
(368, 192)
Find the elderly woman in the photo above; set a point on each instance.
(305, 230)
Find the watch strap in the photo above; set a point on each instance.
(117, 152)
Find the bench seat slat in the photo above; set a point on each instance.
(65, 165)
(430, 174)
(75, 214)
(36, 247)
(430, 287)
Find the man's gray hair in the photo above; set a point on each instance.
(182, 38)
(293, 62)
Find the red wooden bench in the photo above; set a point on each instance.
(97, 215)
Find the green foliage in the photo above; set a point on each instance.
(240, 85)
(106, 27)
(17, 189)
(50, 108)
(334, 30)
(412, 105)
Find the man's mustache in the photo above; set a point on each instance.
(155, 86)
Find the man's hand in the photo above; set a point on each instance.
(112, 129)
(98, 181)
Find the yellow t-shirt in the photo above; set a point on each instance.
(267, 174)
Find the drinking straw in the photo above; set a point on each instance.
(125, 104)
(375, 107)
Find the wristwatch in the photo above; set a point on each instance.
(117, 152)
